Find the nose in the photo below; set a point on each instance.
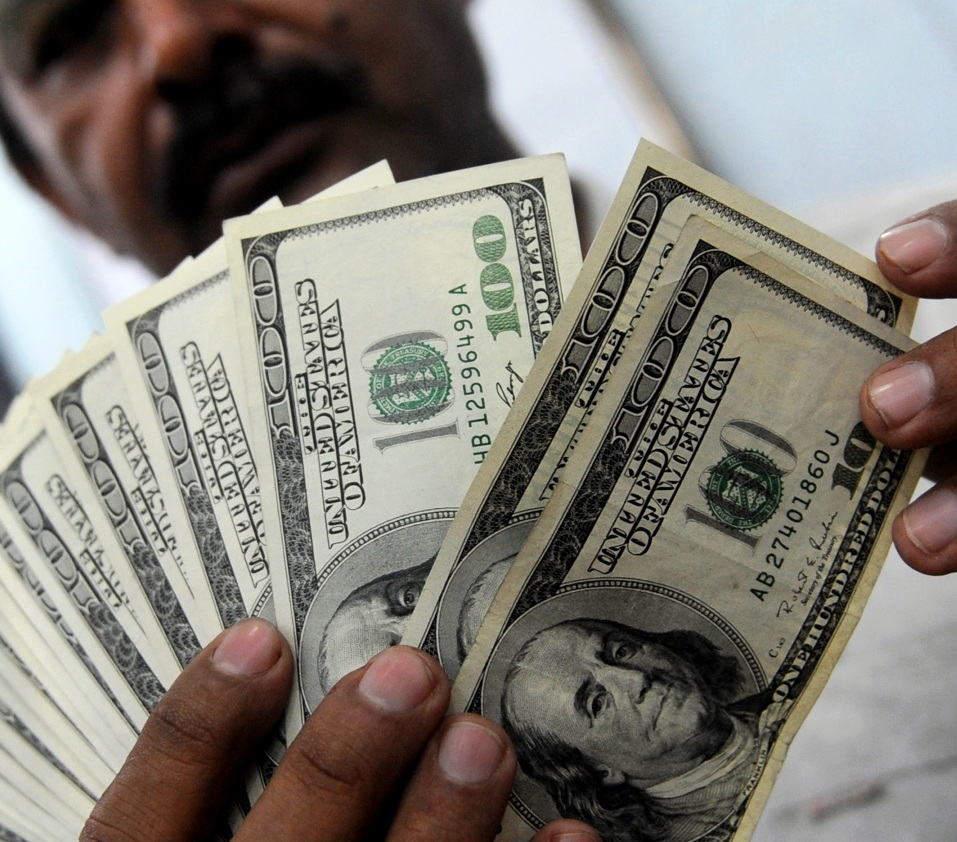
(180, 40)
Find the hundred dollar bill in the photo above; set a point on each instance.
(181, 360)
(72, 557)
(378, 328)
(22, 819)
(183, 376)
(27, 763)
(190, 380)
(658, 195)
(90, 418)
(28, 710)
(42, 785)
(702, 560)
(26, 652)
(69, 504)
(46, 643)
(43, 746)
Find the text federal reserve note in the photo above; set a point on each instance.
(659, 194)
(386, 334)
(702, 560)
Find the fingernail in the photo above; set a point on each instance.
(397, 680)
(914, 245)
(931, 520)
(899, 394)
(249, 648)
(470, 753)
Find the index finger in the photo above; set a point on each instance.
(180, 773)
(919, 255)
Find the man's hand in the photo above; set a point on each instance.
(911, 402)
(376, 760)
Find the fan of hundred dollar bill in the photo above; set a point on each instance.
(640, 545)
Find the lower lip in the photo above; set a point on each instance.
(239, 182)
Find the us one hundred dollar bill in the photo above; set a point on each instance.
(91, 419)
(52, 517)
(188, 381)
(658, 195)
(376, 328)
(702, 560)
(35, 628)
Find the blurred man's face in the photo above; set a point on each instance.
(635, 709)
(154, 120)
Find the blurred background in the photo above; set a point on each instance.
(842, 114)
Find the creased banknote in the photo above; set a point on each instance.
(703, 558)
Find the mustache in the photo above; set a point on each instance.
(236, 110)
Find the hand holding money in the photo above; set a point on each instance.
(908, 402)
(680, 494)
(335, 783)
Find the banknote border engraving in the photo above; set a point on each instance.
(23, 731)
(652, 200)
(164, 395)
(606, 463)
(68, 404)
(11, 554)
(114, 640)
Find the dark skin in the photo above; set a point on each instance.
(378, 759)
(149, 122)
(910, 402)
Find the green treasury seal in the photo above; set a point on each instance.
(410, 383)
(744, 489)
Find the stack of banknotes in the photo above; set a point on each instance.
(629, 505)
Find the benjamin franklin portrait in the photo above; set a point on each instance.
(645, 735)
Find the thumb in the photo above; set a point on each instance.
(194, 747)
